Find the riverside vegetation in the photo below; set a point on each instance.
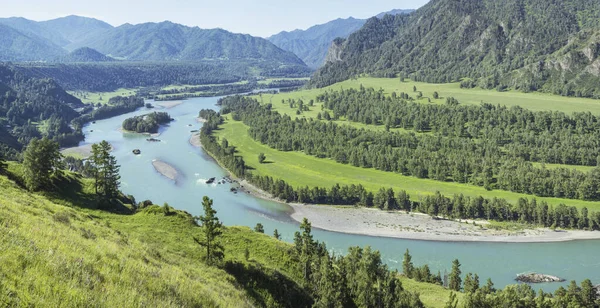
(267, 126)
(67, 245)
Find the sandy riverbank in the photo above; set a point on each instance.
(165, 169)
(195, 140)
(374, 222)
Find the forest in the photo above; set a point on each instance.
(475, 145)
(457, 206)
(149, 123)
(109, 76)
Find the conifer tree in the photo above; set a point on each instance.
(106, 171)
(211, 227)
(455, 280)
(407, 265)
(41, 161)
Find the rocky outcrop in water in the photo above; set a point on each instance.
(537, 278)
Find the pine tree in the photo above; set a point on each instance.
(407, 265)
(455, 280)
(276, 234)
(211, 227)
(106, 171)
(41, 161)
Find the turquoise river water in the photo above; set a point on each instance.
(575, 260)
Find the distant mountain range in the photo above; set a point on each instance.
(26, 40)
(311, 45)
(529, 45)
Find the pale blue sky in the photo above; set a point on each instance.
(260, 18)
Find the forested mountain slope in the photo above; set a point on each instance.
(170, 41)
(17, 46)
(33, 107)
(84, 54)
(61, 31)
(549, 45)
(311, 44)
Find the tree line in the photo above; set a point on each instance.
(456, 207)
(477, 161)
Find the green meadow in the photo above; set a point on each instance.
(533, 101)
(101, 97)
(58, 250)
(299, 169)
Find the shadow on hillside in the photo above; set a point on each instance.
(258, 280)
(69, 189)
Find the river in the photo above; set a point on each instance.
(575, 260)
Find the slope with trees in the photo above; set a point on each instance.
(311, 45)
(493, 44)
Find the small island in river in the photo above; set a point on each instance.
(148, 123)
(165, 169)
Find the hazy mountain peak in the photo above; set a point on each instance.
(311, 45)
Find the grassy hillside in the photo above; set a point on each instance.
(57, 249)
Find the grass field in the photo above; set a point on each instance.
(533, 101)
(101, 97)
(58, 250)
(431, 295)
(299, 169)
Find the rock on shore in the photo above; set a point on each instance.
(537, 278)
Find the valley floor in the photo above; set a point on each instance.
(415, 226)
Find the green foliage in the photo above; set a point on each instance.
(259, 228)
(557, 57)
(261, 158)
(276, 235)
(35, 108)
(452, 301)
(455, 282)
(337, 140)
(105, 171)
(41, 162)
(148, 123)
(211, 227)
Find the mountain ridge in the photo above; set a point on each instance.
(311, 44)
(493, 44)
(164, 41)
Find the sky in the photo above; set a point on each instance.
(255, 17)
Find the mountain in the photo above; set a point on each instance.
(311, 44)
(61, 31)
(174, 42)
(75, 29)
(18, 46)
(528, 45)
(395, 12)
(165, 41)
(84, 54)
